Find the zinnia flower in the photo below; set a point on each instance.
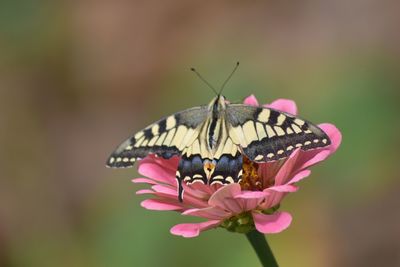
(240, 207)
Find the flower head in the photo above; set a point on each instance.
(239, 207)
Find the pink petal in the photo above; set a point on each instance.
(271, 224)
(285, 105)
(274, 198)
(268, 171)
(224, 198)
(157, 172)
(300, 176)
(212, 213)
(251, 100)
(250, 204)
(189, 200)
(154, 204)
(193, 229)
(252, 195)
(167, 190)
(283, 188)
(286, 170)
(143, 181)
(312, 157)
(199, 190)
(251, 199)
(334, 134)
(144, 191)
(170, 164)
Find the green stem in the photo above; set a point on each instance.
(260, 245)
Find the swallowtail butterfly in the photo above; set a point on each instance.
(211, 140)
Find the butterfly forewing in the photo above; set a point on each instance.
(266, 134)
(166, 138)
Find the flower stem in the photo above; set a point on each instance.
(260, 245)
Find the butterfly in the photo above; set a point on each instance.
(211, 141)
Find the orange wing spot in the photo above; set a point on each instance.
(209, 168)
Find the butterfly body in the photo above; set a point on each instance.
(212, 140)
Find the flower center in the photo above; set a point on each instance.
(250, 178)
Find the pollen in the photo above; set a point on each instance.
(250, 178)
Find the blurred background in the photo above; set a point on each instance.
(78, 77)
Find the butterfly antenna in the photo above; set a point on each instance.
(229, 77)
(204, 80)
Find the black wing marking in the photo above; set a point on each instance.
(198, 165)
(166, 138)
(266, 134)
(193, 168)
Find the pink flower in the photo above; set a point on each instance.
(240, 207)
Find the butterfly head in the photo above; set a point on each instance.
(217, 104)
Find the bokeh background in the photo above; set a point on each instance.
(77, 77)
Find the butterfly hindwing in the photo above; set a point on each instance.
(166, 138)
(266, 134)
(198, 165)
(193, 168)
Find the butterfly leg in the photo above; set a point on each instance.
(180, 187)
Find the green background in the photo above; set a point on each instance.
(78, 77)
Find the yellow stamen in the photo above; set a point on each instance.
(250, 178)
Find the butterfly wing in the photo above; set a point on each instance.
(266, 134)
(165, 138)
(199, 164)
